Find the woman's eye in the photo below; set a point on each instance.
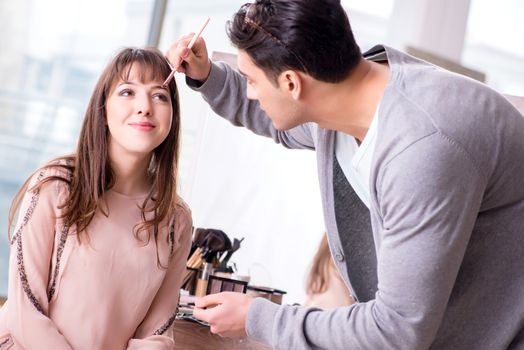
(125, 92)
(161, 97)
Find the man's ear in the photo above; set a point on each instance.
(291, 81)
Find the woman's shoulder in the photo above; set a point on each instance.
(181, 208)
(53, 176)
(182, 216)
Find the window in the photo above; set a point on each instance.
(52, 53)
(494, 45)
(369, 21)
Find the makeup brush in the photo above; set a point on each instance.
(189, 46)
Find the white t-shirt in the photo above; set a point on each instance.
(355, 160)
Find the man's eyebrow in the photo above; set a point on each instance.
(243, 74)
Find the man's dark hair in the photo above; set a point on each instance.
(312, 36)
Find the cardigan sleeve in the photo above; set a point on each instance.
(156, 331)
(29, 267)
(225, 92)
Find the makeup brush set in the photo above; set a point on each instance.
(210, 253)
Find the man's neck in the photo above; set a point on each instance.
(349, 106)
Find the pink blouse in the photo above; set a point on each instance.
(105, 293)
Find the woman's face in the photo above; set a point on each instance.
(139, 115)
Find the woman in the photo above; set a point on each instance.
(99, 250)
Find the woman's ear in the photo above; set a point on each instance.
(291, 82)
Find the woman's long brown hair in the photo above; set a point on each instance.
(89, 169)
(318, 278)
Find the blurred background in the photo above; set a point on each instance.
(52, 52)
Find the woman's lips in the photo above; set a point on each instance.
(142, 126)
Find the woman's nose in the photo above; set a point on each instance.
(144, 106)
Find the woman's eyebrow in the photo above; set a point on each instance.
(159, 86)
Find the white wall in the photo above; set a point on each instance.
(250, 187)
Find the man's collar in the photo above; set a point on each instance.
(376, 54)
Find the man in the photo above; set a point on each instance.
(422, 179)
